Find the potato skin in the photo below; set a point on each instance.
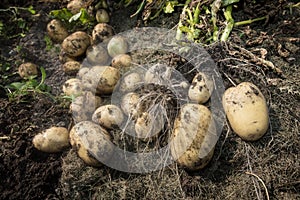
(72, 86)
(27, 69)
(56, 30)
(200, 89)
(246, 110)
(52, 140)
(108, 116)
(101, 79)
(102, 32)
(194, 136)
(76, 43)
(71, 67)
(91, 140)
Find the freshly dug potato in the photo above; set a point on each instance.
(102, 16)
(97, 55)
(117, 45)
(194, 136)
(76, 43)
(64, 57)
(82, 71)
(52, 140)
(148, 126)
(101, 79)
(73, 87)
(130, 81)
(158, 73)
(74, 6)
(108, 116)
(27, 69)
(201, 88)
(84, 106)
(129, 104)
(92, 142)
(71, 67)
(246, 110)
(121, 61)
(102, 32)
(56, 30)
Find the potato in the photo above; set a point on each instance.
(76, 43)
(64, 57)
(130, 81)
(84, 106)
(117, 45)
(97, 55)
(82, 71)
(148, 126)
(201, 88)
(73, 87)
(71, 67)
(92, 142)
(246, 110)
(52, 140)
(102, 79)
(108, 116)
(158, 73)
(74, 6)
(194, 136)
(56, 30)
(129, 104)
(102, 16)
(28, 69)
(121, 61)
(102, 32)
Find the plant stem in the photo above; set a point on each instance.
(229, 25)
(249, 21)
(215, 7)
(179, 32)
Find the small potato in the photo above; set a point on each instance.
(201, 88)
(194, 137)
(102, 16)
(148, 126)
(84, 106)
(52, 140)
(73, 87)
(71, 67)
(129, 104)
(158, 74)
(56, 30)
(102, 32)
(76, 43)
(97, 55)
(121, 61)
(117, 45)
(101, 79)
(64, 57)
(246, 110)
(130, 81)
(92, 142)
(74, 6)
(28, 69)
(82, 71)
(108, 116)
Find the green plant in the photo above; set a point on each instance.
(16, 91)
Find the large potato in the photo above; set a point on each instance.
(92, 142)
(52, 140)
(117, 45)
(102, 79)
(108, 116)
(194, 136)
(130, 82)
(76, 43)
(246, 110)
(129, 104)
(56, 30)
(72, 87)
(97, 55)
(200, 89)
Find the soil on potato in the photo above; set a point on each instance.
(238, 170)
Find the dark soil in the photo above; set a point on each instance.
(238, 170)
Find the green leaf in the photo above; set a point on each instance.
(16, 85)
(169, 7)
(63, 14)
(31, 10)
(85, 17)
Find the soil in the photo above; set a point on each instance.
(269, 167)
